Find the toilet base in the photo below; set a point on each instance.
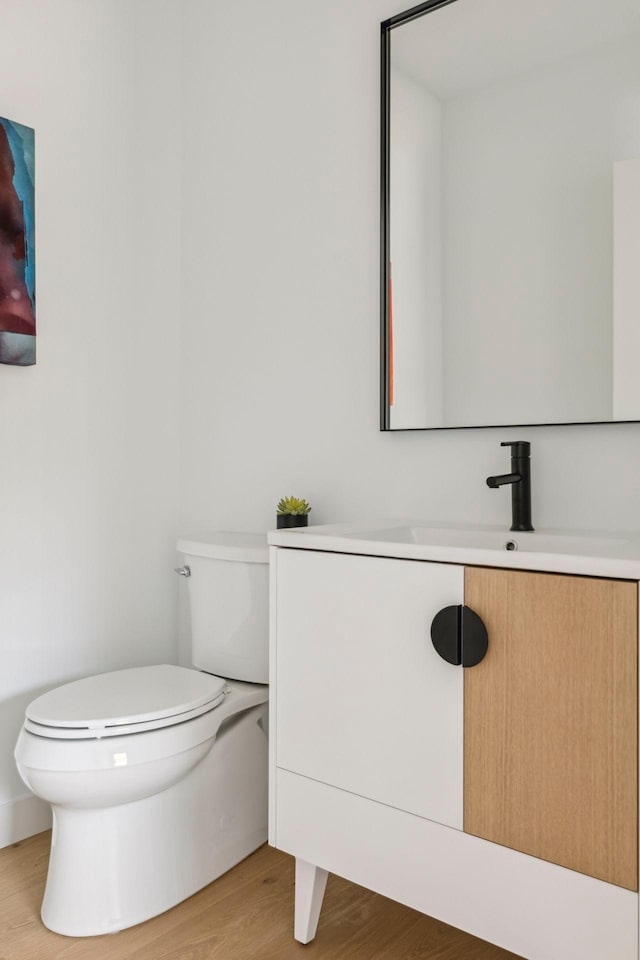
(113, 868)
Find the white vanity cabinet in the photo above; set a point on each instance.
(364, 701)
(452, 790)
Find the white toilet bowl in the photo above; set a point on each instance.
(157, 778)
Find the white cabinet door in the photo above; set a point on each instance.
(363, 700)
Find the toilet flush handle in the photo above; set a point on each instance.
(183, 571)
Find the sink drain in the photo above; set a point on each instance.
(511, 545)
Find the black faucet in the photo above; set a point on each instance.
(520, 480)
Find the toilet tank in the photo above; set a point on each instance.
(229, 600)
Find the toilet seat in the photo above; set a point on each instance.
(124, 702)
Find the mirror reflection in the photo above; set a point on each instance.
(512, 294)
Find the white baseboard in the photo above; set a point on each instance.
(22, 817)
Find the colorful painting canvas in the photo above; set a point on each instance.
(17, 245)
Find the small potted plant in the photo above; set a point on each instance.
(293, 512)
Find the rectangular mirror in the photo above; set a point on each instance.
(510, 213)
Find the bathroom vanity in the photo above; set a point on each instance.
(501, 798)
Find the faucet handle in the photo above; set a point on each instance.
(519, 448)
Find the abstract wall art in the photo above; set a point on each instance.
(17, 245)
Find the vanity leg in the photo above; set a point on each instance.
(310, 884)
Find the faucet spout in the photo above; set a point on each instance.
(504, 478)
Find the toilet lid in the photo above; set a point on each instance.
(125, 701)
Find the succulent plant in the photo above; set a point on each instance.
(293, 506)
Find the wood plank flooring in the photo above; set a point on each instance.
(245, 915)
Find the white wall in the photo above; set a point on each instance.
(415, 231)
(280, 328)
(279, 306)
(89, 435)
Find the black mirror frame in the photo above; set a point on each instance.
(385, 59)
(385, 411)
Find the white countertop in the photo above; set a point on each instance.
(591, 553)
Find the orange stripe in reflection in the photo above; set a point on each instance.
(390, 338)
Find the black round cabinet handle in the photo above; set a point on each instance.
(459, 636)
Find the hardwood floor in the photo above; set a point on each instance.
(245, 915)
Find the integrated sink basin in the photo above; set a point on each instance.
(590, 553)
(480, 539)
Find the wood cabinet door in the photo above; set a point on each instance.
(363, 702)
(551, 715)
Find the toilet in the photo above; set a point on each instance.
(157, 775)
